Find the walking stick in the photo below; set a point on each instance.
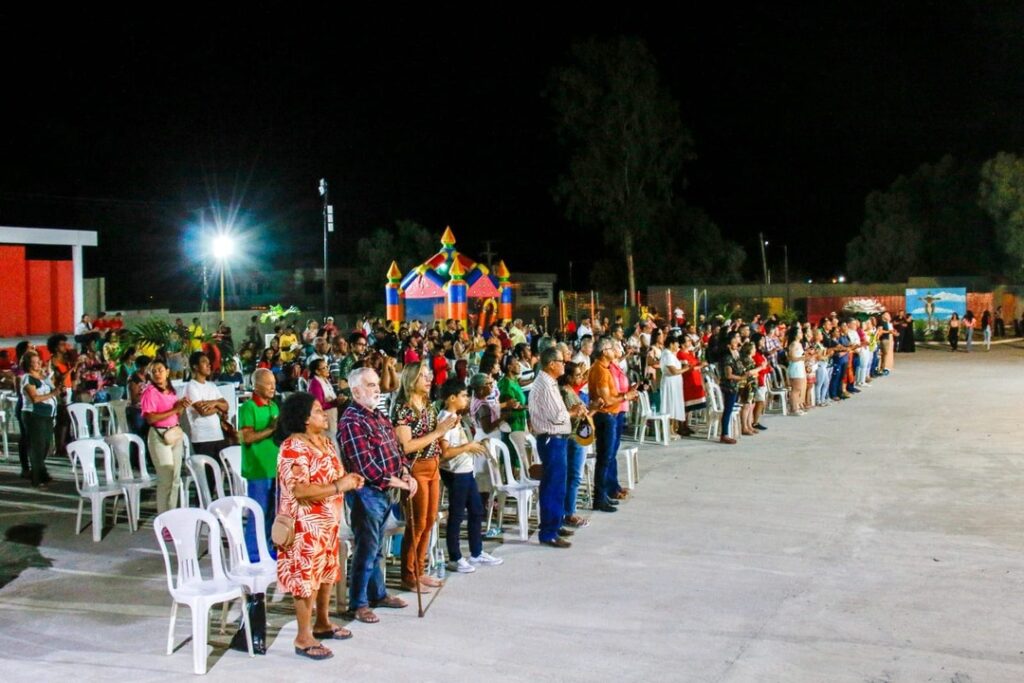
(409, 530)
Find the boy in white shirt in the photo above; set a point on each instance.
(457, 452)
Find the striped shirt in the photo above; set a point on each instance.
(548, 414)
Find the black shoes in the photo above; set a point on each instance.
(557, 543)
(605, 507)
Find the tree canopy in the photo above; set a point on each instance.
(406, 242)
(1001, 196)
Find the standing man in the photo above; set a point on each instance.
(370, 448)
(195, 336)
(207, 409)
(610, 398)
(257, 420)
(551, 424)
(253, 333)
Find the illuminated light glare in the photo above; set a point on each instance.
(223, 246)
(842, 278)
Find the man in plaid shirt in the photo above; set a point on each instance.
(369, 447)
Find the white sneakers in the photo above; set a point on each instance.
(463, 567)
(485, 558)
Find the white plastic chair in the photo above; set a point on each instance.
(257, 577)
(505, 485)
(629, 456)
(230, 394)
(122, 446)
(231, 459)
(85, 421)
(188, 586)
(648, 416)
(118, 417)
(197, 466)
(717, 407)
(776, 392)
(87, 481)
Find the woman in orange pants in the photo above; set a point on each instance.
(420, 432)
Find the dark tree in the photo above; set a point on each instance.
(1001, 196)
(407, 242)
(626, 142)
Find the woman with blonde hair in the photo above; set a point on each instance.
(420, 432)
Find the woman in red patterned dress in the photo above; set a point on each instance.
(311, 480)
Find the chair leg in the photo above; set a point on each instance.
(248, 626)
(170, 629)
(200, 627)
(224, 617)
(524, 517)
(97, 520)
(78, 519)
(339, 588)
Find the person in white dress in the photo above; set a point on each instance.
(672, 403)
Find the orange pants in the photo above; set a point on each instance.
(416, 538)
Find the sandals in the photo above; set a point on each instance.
(391, 602)
(577, 522)
(363, 614)
(336, 633)
(317, 651)
(411, 587)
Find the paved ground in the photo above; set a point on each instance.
(877, 540)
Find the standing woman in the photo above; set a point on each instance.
(954, 332)
(419, 433)
(986, 328)
(748, 388)
(672, 403)
(797, 370)
(161, 408)
(887, 341)
(731, 374)
(693, 381)
(321, 389)
(311, 481)
(969, 323)
(653, 369)
(39, 407)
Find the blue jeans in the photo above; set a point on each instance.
(575, 457)
(612, 478)
(463, 497)
(369, 511)
(822, 382)
(838, 373)
(264, 492)
(728, 405)
(606, 429)
(552, 485)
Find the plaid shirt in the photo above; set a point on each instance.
(369, 447)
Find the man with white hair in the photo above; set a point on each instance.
(257, 420)
(369, 447)
(586, 351)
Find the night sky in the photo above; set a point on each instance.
(128, 126)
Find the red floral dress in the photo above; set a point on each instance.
(312, 560)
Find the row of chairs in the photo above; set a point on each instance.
(241, 577)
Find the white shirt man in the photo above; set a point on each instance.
(208, 406)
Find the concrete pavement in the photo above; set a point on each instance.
(875, 540)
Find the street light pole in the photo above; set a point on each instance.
(328, 227)
(222, 290)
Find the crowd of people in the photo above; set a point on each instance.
(378, 419)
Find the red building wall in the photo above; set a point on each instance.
(36, 297)
(13, 312)
(818, 306)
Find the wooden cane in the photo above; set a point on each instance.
(416, 575)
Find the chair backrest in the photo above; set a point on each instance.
(184, 526)
(230, 394)
(85, 421)
(118, 417)
(197, 466)
(644, 401)
(123, 445)
(179, 386)
(714, 392)
(501, 467)
(230, 511)
(231, 459)
(83, 457)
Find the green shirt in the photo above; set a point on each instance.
(509, 388)
(259, 460)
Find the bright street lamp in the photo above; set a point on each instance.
(223, 247)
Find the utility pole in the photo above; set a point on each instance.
(764, 257)
(328, 227)
(785, 270)
(488, 253)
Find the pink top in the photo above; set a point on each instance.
(621, 384)
(155, 401)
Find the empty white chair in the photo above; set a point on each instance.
(776, 392)
(231, 459)
(83, 465)
(505, 485)
(257, 577)
(85, 421)
(230, 394)
(630, 458)
(118, 417)
(197, 466)
(648, 416)
(123, 445)
(187, 586)
(716, 406)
